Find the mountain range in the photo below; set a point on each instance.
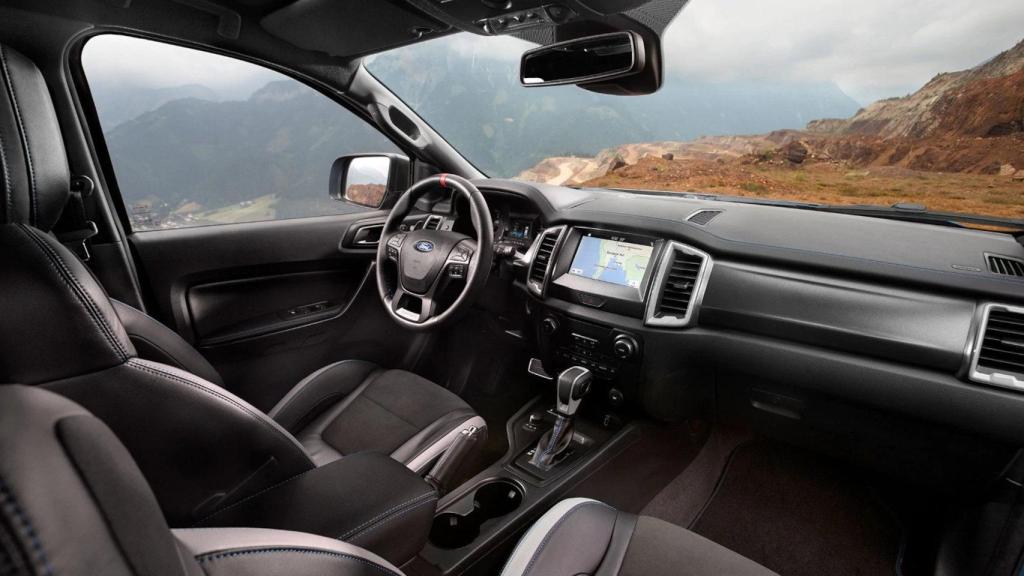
(204, 154)
(971, 121)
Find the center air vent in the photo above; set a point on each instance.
(539, 268)
(999, 351)
(432, 222)
(679, 286)
(1005, 265)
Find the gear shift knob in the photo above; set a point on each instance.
(573, 384)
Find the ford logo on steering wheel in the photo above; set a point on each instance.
(423, 246)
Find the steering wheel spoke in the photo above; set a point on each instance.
(459, 261)
(393, 246)
(403, 304)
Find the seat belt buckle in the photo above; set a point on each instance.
(81, 229)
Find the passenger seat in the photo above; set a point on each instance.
(72, 501)
(583, 536)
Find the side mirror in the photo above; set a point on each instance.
(371, 180)
(593, 59)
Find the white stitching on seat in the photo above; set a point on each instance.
(65, 274)
(213, 556)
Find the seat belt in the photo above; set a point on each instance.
(74, 229)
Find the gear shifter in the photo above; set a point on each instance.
(573, 384)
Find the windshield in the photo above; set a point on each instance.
(874, 102)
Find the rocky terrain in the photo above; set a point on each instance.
(968, 123)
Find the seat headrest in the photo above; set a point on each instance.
(55, 319)
(34, 176)
(72, 500)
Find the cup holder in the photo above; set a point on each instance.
(493, 499)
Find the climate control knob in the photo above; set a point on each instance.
(625, 346)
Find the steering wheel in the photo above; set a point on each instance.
(429, 260)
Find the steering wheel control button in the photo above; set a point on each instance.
(457, 270)
(461, 255)
(396, 240)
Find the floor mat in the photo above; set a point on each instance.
(630, 479)
(793, 512)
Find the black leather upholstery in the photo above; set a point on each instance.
(582, 536)
(57, 320)
(156, 342)
(72, 502)
(34, 176)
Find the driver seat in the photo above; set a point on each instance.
(201, 447)
(346, 407)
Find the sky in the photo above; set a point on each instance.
(872, 49)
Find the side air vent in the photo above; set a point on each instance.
(678, 286)
(702, 217)
(1005, 265)
(999, 350)
(540, 267)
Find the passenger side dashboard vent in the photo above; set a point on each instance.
(540, 266)
(999, 349)
(1005, 265)
(678, 286)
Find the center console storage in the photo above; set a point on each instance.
(366, 499)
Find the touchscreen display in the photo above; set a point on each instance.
(611, 260)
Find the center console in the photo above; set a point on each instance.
(598, 299)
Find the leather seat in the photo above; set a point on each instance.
(200, 446)
(583, 536)
(346, 407)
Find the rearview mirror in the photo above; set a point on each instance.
(583, 60)
(368, 179)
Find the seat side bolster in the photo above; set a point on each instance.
(158, 343)
(573, 537)
(258, 551)
(319, 391)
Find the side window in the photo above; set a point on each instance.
(199, 139)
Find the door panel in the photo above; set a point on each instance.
(240, 294)
(236, 310)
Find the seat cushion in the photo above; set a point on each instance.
(355, 406)
(583, 536)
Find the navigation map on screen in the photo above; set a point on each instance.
(613, 261)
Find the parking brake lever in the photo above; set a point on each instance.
(447, 466)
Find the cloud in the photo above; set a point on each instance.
(871, 48)
(112, 59)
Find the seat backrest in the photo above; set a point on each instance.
(73, 502)
(200, 447)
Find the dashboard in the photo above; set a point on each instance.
(657, 289)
